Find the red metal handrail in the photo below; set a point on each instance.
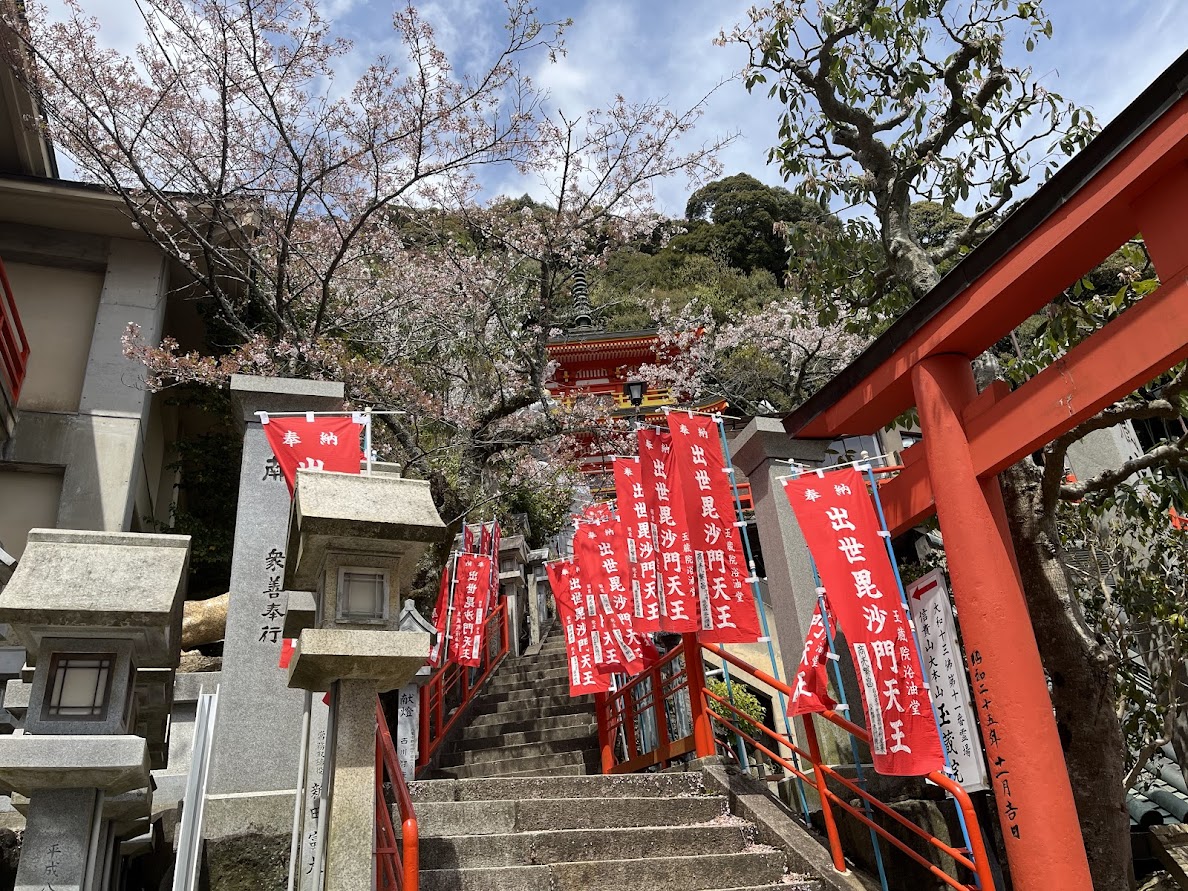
(620, 709)
(14, 345)
(450, 689)
(397, 861)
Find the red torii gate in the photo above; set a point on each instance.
(1133, 178)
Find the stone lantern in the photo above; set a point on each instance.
(357, 540)
(100, 616)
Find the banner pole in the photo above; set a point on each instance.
(843, 702)
(445, 644)
(886, 536)
(367, 439)
(753, 580)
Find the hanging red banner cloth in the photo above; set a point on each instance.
(485, 539)
(468, 539)
(725, 597)
(596, 569)
(567, 591)
(615, 602)
(810, 692)
(678, 598)
(317, 442)
(641, 545)
(597, 512)
(440, 612)
(471, 589)
(838, 521)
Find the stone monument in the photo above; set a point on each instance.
(99, 614)
(256, 754)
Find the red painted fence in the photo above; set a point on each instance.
(451, 688)
(681, 674)
(397, 861)
(14, 346)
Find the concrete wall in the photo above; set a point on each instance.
(84, 414)
(27, 501)
(57, 308)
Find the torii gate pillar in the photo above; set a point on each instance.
(1035, 801)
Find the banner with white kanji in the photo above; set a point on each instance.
(472, 582)
(810, 692)
(725, 597)
(640, 537)
(317, 442)
(679, 611)
(584, 677)
(839, 524)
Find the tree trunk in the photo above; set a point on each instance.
(1081, 680)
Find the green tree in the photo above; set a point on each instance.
(743, 219)
(889, 104)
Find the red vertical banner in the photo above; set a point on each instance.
(600, 573)
(485, 538)
(639, 537)
(471, 591)
(678, 600)
(839, 524)
(725, 597)
(467, 539)
(810, 691)
(316, 442)
(440, 612)
(584, 677)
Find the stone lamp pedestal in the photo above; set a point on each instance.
(357, 539)
(100, 616)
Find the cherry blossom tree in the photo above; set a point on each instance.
(337, 223)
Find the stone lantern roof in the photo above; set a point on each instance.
(381, 512)
(100, 584)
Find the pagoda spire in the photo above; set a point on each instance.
(583, 312)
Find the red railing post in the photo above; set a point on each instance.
(835, 847)
(659, 709)
(605, 742)
(424, 721)
(703, 731)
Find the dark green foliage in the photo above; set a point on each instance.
(207, 463)
(740, 218)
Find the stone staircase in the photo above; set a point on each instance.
(525, 723)
(516, 811)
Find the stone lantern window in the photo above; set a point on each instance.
(362, 594)
(80, 686)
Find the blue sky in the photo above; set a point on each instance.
(1103, 53)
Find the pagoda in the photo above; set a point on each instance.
(591, 361)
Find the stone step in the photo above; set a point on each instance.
(466, 755)
(498, 729)
(504, 685)
(630, 785)
(688, 873)
(492, 702)
(532, 672)
(536, 763)
(560, 846)
(499, 817)
(569, 770)
(530, 710)
(575, 730)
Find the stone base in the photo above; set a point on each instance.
(268, 813)
(248, 861)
